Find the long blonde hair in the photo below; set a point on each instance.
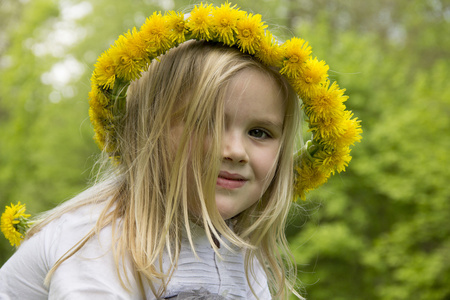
(147, 192)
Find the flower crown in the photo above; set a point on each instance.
(333, 127)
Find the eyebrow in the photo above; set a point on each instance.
(270, 123)
(266, 122)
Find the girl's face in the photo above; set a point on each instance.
(254, 114)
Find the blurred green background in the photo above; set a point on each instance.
(379, 231)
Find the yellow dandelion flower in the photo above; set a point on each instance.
(127, 66)
(307, 177)
(269, 52)
(104, 74)
(326, 127)
(314, 73)
(351, 134)
(104, 115)
(296, 53)
(100, 115)
(199, 22)
(95, 108)
(15, 223)
(99, 130)
(156, 33)
(138, 47)
(104, 129)
(178, 27)
(328, 101)
(97, 98)
(224, 22)
(250, 32)
(331, 160)
(93, 116)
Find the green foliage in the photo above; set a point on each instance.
(20, 93)
(382, 229)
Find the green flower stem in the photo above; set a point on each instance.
(119, 95)
(310, 148)
(23, 225)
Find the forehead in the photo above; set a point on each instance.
(256, 94)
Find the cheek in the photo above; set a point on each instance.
(266, 166)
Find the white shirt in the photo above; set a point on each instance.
(91, 272)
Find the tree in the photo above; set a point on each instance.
(381, 231)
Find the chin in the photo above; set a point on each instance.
(226, 215)
(226, 212)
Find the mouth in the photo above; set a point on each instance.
(230, 181)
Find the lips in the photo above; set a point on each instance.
(230, 181)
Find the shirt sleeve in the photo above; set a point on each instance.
(22, 276)
(91, 273)
(88, 274)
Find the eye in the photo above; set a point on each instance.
(259, 133)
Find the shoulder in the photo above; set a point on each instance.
(91, 270)
(72, 226)
(23, 275)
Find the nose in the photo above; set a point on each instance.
(233, 148)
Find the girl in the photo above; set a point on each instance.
(197, 195)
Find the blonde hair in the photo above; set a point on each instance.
(148, 190)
